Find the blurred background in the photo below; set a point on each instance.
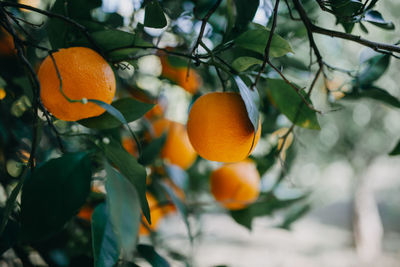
(352, 215)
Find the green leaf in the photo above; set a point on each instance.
(291, 104)
(10, 235)
(108, 40)
(375, 18)
(56, 28)
(130, 168)
(345, 8)
(256, 40)
(151, 256)
(396, 150)
(53, 194)
(245, 12)
(346, 12)
(104, 241)
(375, 93)
(154, 16)
(251, 99)
(124, 210)
(152, 150)
(265, 205)
(243, 63)
(130, 108)
(374, 69)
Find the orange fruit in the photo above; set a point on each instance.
(85, 74)
(235, 185)
(130, 145)
(3, 94)
(190, 83)
(6, 43)
(179, 76)
(86, 212)
(219, 128)
(156, 213)
(177, 148)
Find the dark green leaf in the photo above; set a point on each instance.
(151, 256)
(154, 16)
(10, 235)
(251, 99)
(374, 17)
(130, 168)
(371, 4)
(124, 209)
(109, 40)
(243, 63)
(346, 8)
(245, 12)
(376, 94)
(291, 105)
(56, 28)
(396, 150)
(53, 194)
(265, 205)
(130, 108)
(152, 150)
(256, 40)
(104, 240)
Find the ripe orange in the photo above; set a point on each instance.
(130, 145)
(219, 128)
(235, 185)
(6, 43)
(179, 76)
(177, 148)
(85, 74)
(3, 94)
(156, 213)
(86, 212)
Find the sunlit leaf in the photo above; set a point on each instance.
(243, 63)
(292, 105)
(256, 40)
(251, 99)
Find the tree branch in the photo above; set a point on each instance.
(346, 36)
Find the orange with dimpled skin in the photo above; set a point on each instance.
(219, 128)
(85, 74)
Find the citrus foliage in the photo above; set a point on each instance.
(124, 138)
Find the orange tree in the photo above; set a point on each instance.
(92, 150)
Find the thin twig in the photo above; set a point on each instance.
(354, 38)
